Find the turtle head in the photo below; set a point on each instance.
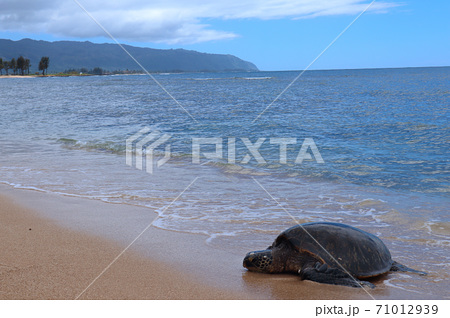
(259, 261)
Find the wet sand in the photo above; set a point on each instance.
(55, 246)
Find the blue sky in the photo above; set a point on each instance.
(273, 34)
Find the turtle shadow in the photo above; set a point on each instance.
(290, 286)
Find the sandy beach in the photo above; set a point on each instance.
(60, 247)
(20, 76)
(41, 260)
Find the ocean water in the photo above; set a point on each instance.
(382, 134)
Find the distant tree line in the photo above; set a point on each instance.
(22, 64)
(99, 71)
(84, 70)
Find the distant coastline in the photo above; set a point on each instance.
(75, 55)
(106, 73)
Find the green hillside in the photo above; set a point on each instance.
(66, 55)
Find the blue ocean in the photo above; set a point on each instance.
(247, 155)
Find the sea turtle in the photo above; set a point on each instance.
(325, 252)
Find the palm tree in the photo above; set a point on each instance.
(1, 66)
(6, 66)
(13, 65)
(41, 67)
(21, 64)
(43, 64)
(27, 66)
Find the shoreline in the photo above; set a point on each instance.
(73, 239)
(43, 76)
(43, 260)
(134, 275)
(21, 76)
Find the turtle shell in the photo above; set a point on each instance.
(362, 254)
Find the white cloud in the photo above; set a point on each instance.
(168, 21)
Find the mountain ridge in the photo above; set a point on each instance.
(66, 55)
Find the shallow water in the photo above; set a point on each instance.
(383, 136)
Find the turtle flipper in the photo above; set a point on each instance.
(321, 273)
(397, 267)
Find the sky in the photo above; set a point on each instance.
(273, 34)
